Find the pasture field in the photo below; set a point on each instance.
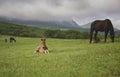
(67, 58)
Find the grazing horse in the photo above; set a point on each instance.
(102, 25)
(12, 39)
(43, 48)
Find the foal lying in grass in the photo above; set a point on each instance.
(42, 48)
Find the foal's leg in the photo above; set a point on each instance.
(46, 51)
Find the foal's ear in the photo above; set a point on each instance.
(43, 39)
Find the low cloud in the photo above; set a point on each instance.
(47, 10)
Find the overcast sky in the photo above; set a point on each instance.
(82, 11)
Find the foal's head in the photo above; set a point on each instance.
(96, 40)
(43, 41)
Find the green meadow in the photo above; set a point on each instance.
(67, 58)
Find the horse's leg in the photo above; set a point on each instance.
(10, 40)
(106, 33)
(95, 36)
(14, 40)
(91, 35)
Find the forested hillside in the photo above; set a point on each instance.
(20, 30)
(28, 31)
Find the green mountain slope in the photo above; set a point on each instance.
(28, 31)
(19, 30)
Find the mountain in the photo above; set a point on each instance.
(86, 25)
(12, 29)
(47, 24)
(64, 25)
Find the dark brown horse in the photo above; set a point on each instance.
(12, 39)
(103, 26)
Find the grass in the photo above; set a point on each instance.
(67, 58)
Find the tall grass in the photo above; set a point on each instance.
(67, 58)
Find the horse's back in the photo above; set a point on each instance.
(101, 25)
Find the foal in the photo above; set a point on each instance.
(96, 40)
(43, 48)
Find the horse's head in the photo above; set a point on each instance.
(112, 35)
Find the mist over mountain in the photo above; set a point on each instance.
(37, 12)
(64, 25)
(47, 24)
